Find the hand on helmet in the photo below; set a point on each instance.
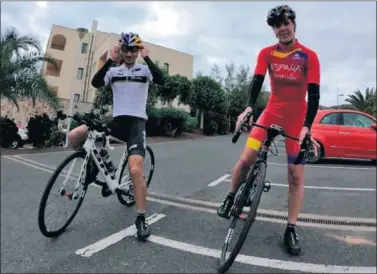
(144, 51)
(115, 54)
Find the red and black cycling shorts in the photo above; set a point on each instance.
(291, 124)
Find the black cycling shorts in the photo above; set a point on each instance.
(131, 130)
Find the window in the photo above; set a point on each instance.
(84, 48)
(357, 120)
(80, 73)
(330, 119)
(76, 97)
(166, 67)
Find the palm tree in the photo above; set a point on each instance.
(372, 104)
(361, 102)
(20, 69)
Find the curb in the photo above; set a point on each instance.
(150, 140)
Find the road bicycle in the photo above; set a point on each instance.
(249, 192)
(116, 181)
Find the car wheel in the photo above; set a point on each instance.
(315, 159)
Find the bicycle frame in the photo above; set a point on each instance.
(272, 132)
(93, 153)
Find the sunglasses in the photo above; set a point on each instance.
(126, 49)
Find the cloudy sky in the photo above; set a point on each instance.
(342, 34)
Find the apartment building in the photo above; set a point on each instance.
(79, 53)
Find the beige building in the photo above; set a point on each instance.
(79, 58)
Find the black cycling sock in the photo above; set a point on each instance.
(291, 226)
(140, 216)
(231, 195)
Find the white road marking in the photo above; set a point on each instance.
(30, 165)
(323, 187)
(218, 181)
(330, 167)
(181, 205)
(263, 211)
(114, 238)
(34, 162)
(263, 262)
(158, 197)
(40, 153)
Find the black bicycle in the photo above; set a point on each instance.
(249, 192)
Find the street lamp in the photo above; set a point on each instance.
(81, 33)
(337, 97)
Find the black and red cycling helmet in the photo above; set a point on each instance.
(280, 13)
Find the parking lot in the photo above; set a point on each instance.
(190, 180)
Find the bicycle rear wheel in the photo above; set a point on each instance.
(253, 188)
(128, 199)
(79, 196)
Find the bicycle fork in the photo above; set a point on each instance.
(80, 181)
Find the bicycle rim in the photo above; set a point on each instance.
(225, 264)
(148, 181)
(46, 192)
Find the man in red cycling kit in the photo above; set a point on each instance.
(294, 70)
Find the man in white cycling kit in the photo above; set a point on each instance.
(129, 82)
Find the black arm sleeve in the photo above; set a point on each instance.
(158, 76)
(313, 104)
(254, 90)
(98, 78)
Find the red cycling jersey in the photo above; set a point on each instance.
(290, 73)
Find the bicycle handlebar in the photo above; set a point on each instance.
(245, 123)
(93, 123)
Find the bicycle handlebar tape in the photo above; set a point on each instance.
(239, 131)
(236, 135)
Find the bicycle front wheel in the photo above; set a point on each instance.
(128, 199)
(252, 188)
(69, 194)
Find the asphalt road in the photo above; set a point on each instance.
(187, 233)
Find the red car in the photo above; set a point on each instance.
(347, 134)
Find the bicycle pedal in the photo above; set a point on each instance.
(267, 186)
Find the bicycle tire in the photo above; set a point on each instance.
(120, 195)
(46, 192)
(226, 264)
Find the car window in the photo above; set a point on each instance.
(329, 119)
(357, 120)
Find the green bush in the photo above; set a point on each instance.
(210, 128)
(166, 122)
(39, 130)
(56, 137)
(221, 120)
(8, 132)
(190, 124)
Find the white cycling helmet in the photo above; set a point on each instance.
(129, 40)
